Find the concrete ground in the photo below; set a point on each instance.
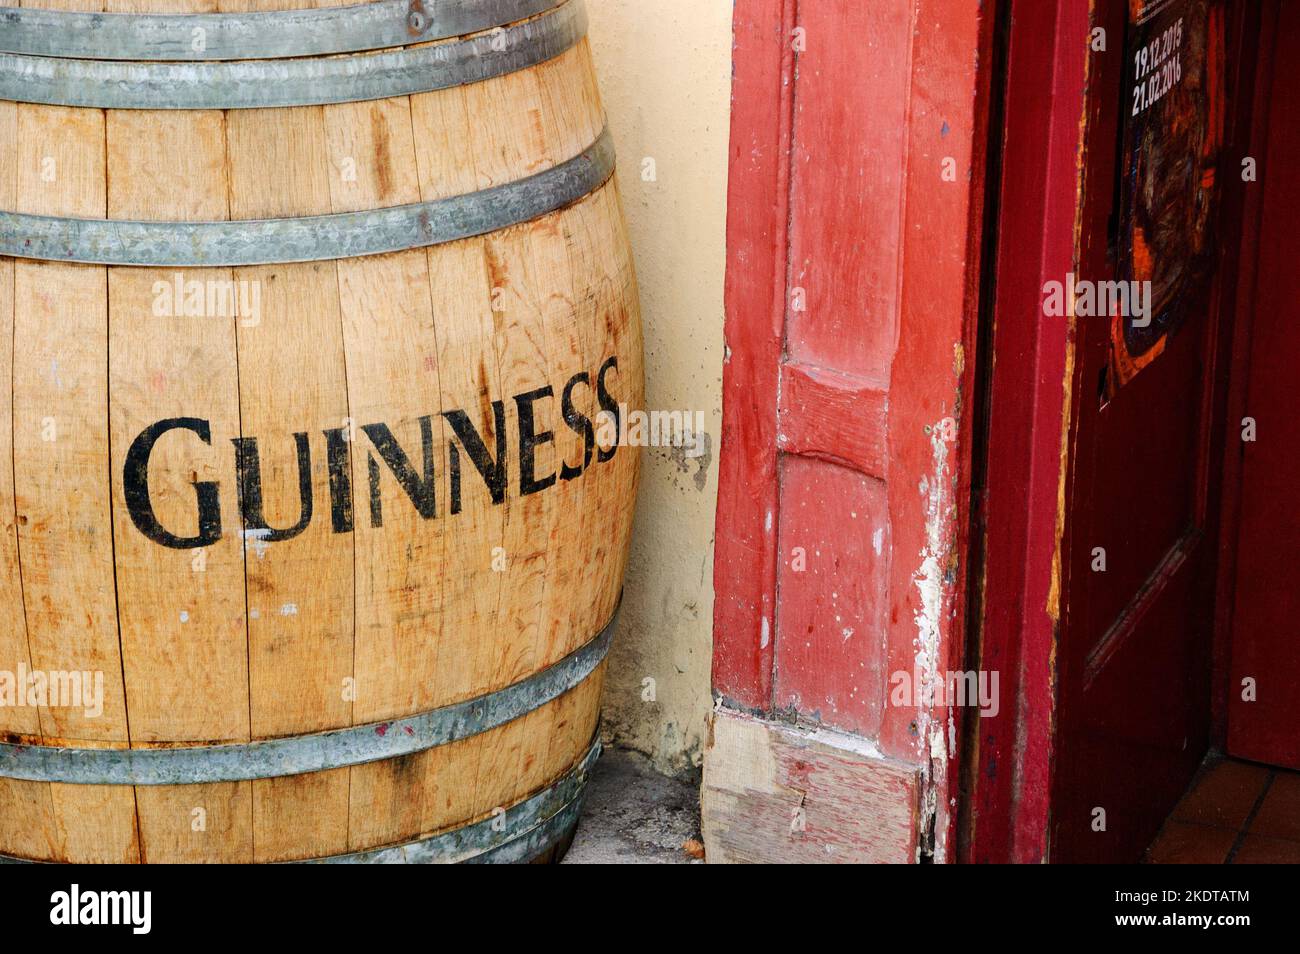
(634, 815)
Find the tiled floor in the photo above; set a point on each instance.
(1234, 813)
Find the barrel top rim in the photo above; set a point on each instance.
(280, 82)
(254, 35)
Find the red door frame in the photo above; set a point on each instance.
(758, 210)
(1027, 411)
(882, 425)
(1238, 368)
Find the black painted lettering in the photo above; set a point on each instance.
(580, 424)
(453, 474)
(419, 489)
(248, 465)
(529, 440)
(609, 404)
(418, 480)
(492, 472)
(340, 466)
(135, 487)
(248, 469)
(376, 499)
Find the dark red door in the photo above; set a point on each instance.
(1264, 675)
(1138, 551)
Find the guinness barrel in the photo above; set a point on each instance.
(316, 328)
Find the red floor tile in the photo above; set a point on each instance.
(1279, 815)
(1261, 850)
(1223, 796)
(1185, 843)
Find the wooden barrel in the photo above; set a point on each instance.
(314, 521)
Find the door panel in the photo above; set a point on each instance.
(1265, 632)
(1143, 455)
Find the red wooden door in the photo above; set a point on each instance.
(1264, 713)
(1138, 549)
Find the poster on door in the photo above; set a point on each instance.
(1172, 131)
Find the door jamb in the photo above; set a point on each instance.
(1237, 361)
(1025, 404)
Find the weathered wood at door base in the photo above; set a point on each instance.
(776, 793)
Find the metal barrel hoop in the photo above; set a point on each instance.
(513, 834)
(279, 34)
(313, 81)
(302, 754)
(309, 238)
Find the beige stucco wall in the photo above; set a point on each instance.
(665, 73)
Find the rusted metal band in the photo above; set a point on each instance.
(517, 833)
(196, 37)
(261, 84)
(301, 754)
(310, 238)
